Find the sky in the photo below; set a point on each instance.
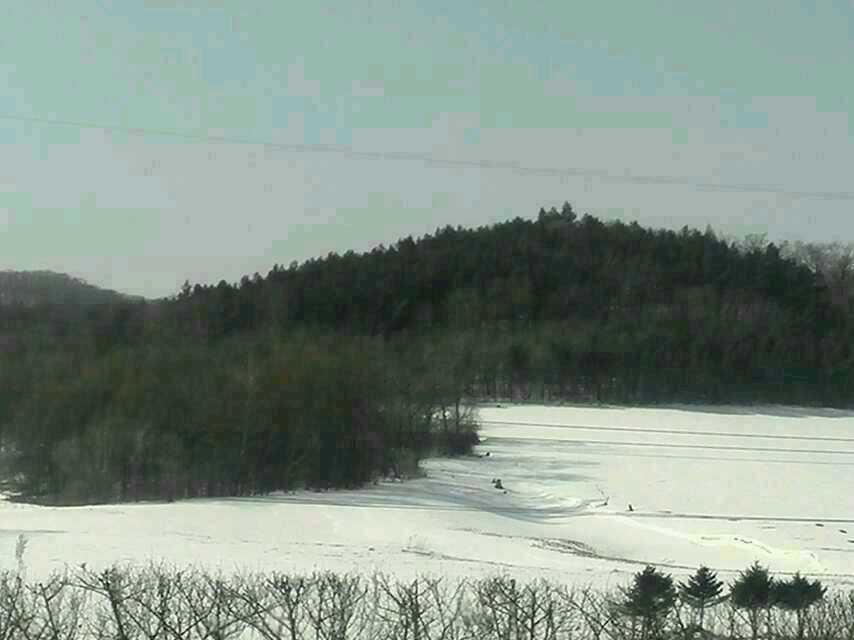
(628, 110)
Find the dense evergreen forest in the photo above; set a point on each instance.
(332, 372)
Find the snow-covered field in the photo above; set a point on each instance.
(717, 486)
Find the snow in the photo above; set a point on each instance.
(709, 485)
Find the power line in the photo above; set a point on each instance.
(432, 160)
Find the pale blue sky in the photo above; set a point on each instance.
(746, 93)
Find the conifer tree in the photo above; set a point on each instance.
(798, 594)
(752, 592)
(650, 598)
(702, 590)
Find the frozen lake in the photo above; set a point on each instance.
(717, 486)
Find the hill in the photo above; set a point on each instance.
(343, 368)
(562, 307)
(33, 288)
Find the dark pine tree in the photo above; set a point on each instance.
(703, 589)
(797, 595)
(752, 592)
(650, 598)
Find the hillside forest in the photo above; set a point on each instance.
(349, 367)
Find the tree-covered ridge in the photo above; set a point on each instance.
(33, 288)
(521, 273)
(563, 306)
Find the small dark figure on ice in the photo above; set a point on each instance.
(496, 482)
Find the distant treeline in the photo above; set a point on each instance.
(334, 371)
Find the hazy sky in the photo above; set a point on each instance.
(732, 92)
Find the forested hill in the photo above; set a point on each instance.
(334, 371)
(576, 307)
(34, 288)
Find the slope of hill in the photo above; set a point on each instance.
(33, 288)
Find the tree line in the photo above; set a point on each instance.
(252, 414)
(166, 603)
(345, 368)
